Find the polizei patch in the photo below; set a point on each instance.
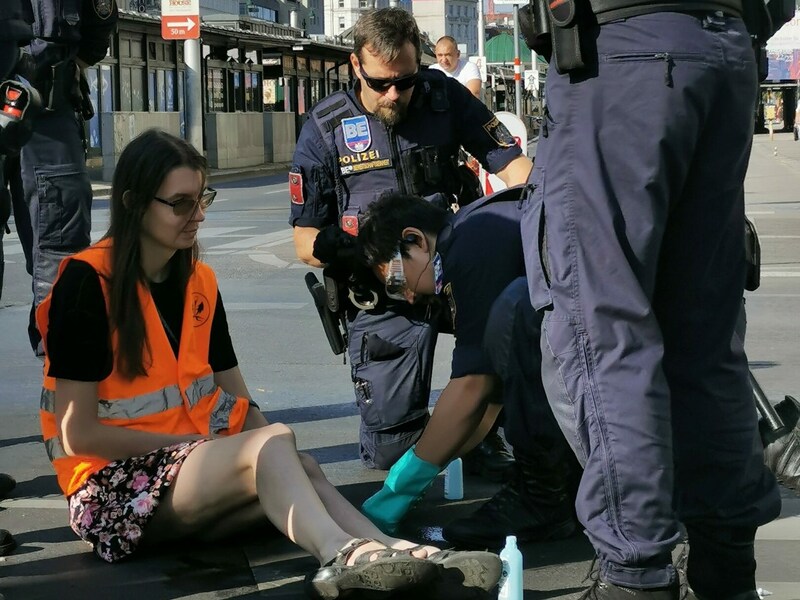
(357, 136)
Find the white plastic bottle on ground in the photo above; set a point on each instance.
(454, 480)
(511, 579)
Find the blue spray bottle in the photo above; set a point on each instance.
(511, 579)
(454, 480)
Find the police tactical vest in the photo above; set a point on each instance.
(58, 21)
(417, 156)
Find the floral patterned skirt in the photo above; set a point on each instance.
(112, 508)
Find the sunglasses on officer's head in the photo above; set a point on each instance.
(383, 85)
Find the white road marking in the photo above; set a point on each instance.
(268, 259)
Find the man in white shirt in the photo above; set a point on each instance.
(449, 60)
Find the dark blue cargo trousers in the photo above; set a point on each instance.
(58, 196)
(634, 245)
(391, 359)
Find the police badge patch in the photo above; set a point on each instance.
(357, 136)
(499, 133)
(103, 8)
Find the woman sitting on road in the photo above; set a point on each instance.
(148, 421)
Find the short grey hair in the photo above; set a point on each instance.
(386, 31)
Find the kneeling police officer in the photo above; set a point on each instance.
(473, 262)
(399, 128)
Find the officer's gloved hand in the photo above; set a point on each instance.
(335, 247)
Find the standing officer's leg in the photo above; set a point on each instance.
(5, 214)
(618, 152)
(723, 489)
(391, 358)
(22, 217)
(537, 503)
(59, 198)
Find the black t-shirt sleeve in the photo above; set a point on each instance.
(221, 356)
(77, 337)
(78, 340)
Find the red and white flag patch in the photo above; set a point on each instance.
(296, 188)
(350, 224)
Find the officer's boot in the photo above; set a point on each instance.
(490, 459)
(405, 484)
(7, 484)
(721, 563)
(537, 504)
(7, 543)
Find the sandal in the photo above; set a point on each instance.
(464, 575)
(392, 571)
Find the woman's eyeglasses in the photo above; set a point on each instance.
(185, 206)
(383, 85)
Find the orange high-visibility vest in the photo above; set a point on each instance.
(175, 396)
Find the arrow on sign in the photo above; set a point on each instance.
(188, 23)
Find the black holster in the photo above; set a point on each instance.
(326, 301)
(553, 29)
(752, 250)
(63, 86)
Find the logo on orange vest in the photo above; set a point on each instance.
(200, 309)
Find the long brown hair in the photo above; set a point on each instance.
(142, 167)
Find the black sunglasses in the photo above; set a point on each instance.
(383, 85)
(184, 206)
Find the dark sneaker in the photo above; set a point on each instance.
(602, 590)
(752, 595)
(509, 512)
(7, 484)
(490, 459)
(7, 543)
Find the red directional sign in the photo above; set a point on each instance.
(180, 19)
(184, 27)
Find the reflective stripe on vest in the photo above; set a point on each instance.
(199, 388)
(126, 408)
(54, 449)
(221, 414)
(160, 401)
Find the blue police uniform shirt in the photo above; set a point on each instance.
(481, 250)
(373, 159)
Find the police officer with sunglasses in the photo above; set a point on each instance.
(399, 129)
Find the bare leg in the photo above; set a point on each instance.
(224, 475)
(346, 515)
(227, 474)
